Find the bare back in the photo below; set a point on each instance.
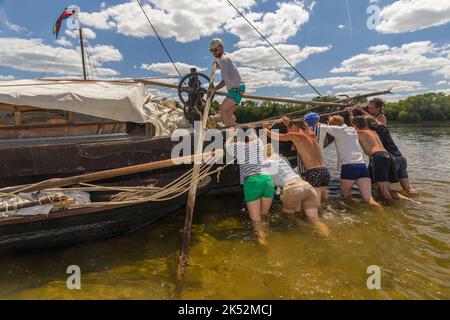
(370, 142)
(308, 149)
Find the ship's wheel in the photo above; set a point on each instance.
(192, 91)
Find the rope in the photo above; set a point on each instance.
(136, 195)
(51, 62)
(281, 55)
(156, 33)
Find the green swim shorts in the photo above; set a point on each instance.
(257, 187)
(236, 94)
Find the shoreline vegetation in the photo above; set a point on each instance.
(425, 108)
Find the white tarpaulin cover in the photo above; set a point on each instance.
(119, 101)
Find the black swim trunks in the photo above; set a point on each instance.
(382, 167)
(400, 166)
(317, 177)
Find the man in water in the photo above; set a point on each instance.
(389, 144)
(374, 109)
(311, 155)
(382, 165)
(297, 194)
(259, 189)
(350, 160)
(319, 129)
(231, 79)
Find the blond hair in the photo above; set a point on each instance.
(336, 121)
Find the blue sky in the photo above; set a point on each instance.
(406, 48)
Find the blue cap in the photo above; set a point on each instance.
(311, 118)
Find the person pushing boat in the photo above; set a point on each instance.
(231, 79)
(305, 141)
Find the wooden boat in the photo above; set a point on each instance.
(77, 225)
(67, 143)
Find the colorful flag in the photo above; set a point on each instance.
(64, 15)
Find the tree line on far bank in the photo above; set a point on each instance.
(423, 107)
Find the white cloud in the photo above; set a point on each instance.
(256, 78)
(167, 68)
(14, 27)
(380, 85)
(33, 55)
(183, 20)
(335, 81)
(6, 78)
(409, 58)
(342, 26)
(445, 71)
(87, 33)
(379, 48)
(266, 57)
(62, 41)
(412, 15)
(277, 26)
(442, 83)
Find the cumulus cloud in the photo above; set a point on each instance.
(384, 60)
(62, 41)
(168, 69)
(277, 26)
(87, 33)
(336, 81)
(34, 55)
(266, 57)
(412, 15)
(173, 18)
(395, 85)
(445, 72)
(14, 27)
(256, 78)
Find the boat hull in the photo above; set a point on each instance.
(80, 225)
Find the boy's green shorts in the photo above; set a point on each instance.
(257, 187)
(236, 94)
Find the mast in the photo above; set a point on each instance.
(82, 54)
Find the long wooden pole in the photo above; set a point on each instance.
(247, 96)
(82, 53)
(184, 256)
(101, 175)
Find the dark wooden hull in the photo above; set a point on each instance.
(80, 225)
(30, 162)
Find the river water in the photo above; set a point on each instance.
(409, 243)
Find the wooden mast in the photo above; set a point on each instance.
(82, 53)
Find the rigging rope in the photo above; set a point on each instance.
(273, 47)
(156, 33)
(51, 62)
(89, 55)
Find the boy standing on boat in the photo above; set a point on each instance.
(231, 79)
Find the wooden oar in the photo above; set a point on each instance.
(184, 256)
(101, 175)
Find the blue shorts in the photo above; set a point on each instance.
(236, 94)
(354, 171)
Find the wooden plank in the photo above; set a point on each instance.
(56, 183)
(17, 117)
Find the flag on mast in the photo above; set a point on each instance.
(64, 15)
